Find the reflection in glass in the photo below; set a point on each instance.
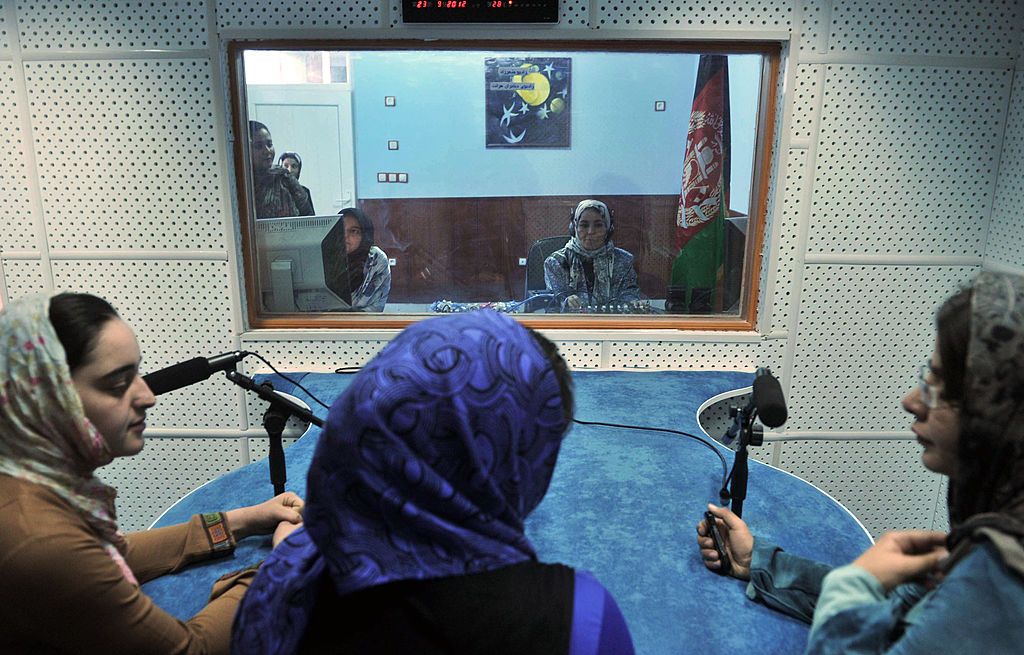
(403, 136)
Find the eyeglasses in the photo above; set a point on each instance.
(929, 392)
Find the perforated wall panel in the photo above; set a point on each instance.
(18, 227)
(982, 28)
(49, 26)
(163, 472)
(1005, 242)
(6, 33)
(806, 102)
(863, 331)
(260, 448)
(580, 354)
(941, 520)
(813, 25)
(881, 481)
(247, 14)
(179, 310)
(124, 151)
(902, 150)
(692, 356)
(729, 14)
(789, 257)
(23, 277)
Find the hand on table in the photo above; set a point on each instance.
(265, 517)
(898, 557)
(573, 303)
(284, 528)
(739, 542)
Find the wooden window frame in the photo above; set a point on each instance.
(746, 319)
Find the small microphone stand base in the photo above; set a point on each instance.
(274, 420)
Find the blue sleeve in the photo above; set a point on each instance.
(598, 627)
(784, 582)
(976, 609)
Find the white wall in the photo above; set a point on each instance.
(887, 193)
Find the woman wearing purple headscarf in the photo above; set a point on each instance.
(413, 538)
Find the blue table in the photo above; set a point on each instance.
(622, 503)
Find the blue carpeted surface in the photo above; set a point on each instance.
(623, 504)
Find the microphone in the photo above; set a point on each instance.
(768, 398)
(194, 370)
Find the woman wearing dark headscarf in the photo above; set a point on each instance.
(907, 593)
(365, 284)
(414, 541)
(590, 270)
(291, 162)
(275, 191)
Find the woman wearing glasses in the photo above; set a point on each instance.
(923, 591)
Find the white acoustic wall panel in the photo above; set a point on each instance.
(164, 471)
(259, 448)
(18, 224)
(579, 353)
(862, 334)
(696, 355)
(23, 277)
(1005, 242)
(724, 14)
(981, 28)
(288, 14)
(124, 150)
(179, 310)
(7, 33)
(941, 518)
(54, 25)
(907, 159)
(789, 255)
(813, 26)
(882, 482)
(806, 102)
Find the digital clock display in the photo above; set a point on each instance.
(480, 11)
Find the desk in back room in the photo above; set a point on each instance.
(623, 504)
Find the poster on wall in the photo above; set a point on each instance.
(528, 102)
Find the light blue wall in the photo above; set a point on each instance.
(620, 145)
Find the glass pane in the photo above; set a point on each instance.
(534, 182)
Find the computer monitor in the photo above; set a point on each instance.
(300, 261)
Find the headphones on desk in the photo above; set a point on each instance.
(607, 214)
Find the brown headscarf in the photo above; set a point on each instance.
(986, 501)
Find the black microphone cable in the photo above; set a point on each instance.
(295, 382)
(726, 473)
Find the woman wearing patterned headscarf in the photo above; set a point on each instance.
(920, 591)
(71, 400)
(276, 192)
(413, 540)
(365, 282)
(590, 270)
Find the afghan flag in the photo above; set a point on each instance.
(697, 271)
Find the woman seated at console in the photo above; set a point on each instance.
(71, 400)
(366, 282)
(908, 593)
(590, 270)
(413, 540)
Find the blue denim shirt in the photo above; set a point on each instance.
(978, 608)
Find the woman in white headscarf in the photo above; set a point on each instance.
(590, 270)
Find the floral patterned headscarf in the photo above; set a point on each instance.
(45, 437)
(987, 496)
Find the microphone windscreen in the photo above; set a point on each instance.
(770, 403)
(177, 376)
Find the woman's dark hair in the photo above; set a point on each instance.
(550, 351)
(289, 155)
(256, 126)
(365, 224)
(78, 318)
(953, 323)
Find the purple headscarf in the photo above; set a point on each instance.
(429, 464)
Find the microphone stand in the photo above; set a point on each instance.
(749, 435)
(274, 421)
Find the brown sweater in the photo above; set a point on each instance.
(60, 592)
